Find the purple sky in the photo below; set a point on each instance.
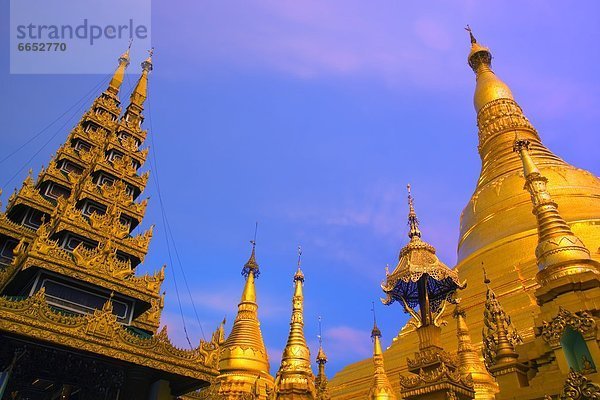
(311, 117)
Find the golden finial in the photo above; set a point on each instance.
(299, 276)
(413, 221)
(251, 265)
(117, 78)
(321, 357)
(320, 335)
(147, 63)
(125, 56)
(376, 332)
(468, 29)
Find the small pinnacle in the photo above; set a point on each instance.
(468, 29)
(485, 277)
(374, 317)
(413, 221)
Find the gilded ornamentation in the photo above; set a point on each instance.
(436, 375)
(578, 387)
(124, 166)
(499, 335)
(108, 104)
(29, 195)
(419, 269)
(428, 357)
(581, 321)
(102, 334)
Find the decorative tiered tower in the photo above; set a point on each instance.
(244, 363)
(295, 379)
(84, 324)
(421, 280)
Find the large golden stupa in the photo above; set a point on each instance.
(497, 229)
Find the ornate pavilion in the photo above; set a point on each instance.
(77, 321)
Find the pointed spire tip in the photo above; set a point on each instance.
(468, 29)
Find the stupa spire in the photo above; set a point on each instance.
(117, 78)
(140, 92)
(295, 379)
(321, 381)
(381, 389)
(469, 363)
(559, 252)
(244, 349)
(413, 221)
(489, 86)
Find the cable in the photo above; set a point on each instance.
(164, 218)
(185, 280)
(51, 123)
(59, 130)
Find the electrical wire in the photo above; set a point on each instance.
(59, 130)
(38, 134)
(154, 166)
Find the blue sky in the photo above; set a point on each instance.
(311, 117)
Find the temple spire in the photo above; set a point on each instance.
(321, 381)
(469, 363)
(559, 252)
(489, 86)
(381, 389)
(244, 350)
(413, 221)
(499, 335)
(295, 379)
(117, 78)
(140, 92)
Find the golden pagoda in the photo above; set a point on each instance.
(380, 388)
(76, 321)
(295, 379)
(498, 231)
(243, 361)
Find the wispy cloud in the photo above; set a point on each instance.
(345, 342)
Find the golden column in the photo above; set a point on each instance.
(295, 379)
